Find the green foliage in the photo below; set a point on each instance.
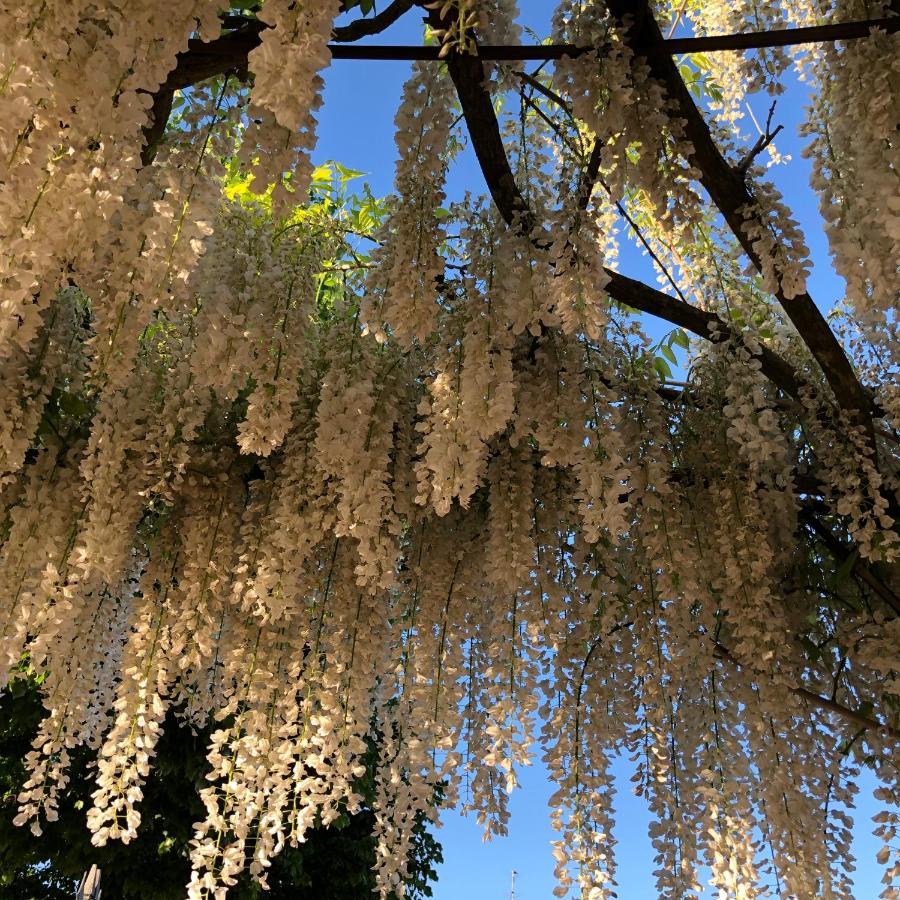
(335, 863)
(661, 364)
(337, 212)
(695, 70)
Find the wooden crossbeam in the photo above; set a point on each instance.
(841, 31)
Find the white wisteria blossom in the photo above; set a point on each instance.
(309, 467)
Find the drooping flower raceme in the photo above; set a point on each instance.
(311, 467)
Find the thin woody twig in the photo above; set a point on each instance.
(646, 244)
(765, 138)
(591, 175)
(541, 88)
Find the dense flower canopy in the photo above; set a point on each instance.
(308, 467)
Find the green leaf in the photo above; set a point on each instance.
(72, 405)
(843, 573)
(662, 368)
(322, 174)
(812, 651)
(680, 339)
(165, 845)
(347, 174)
(669, 354)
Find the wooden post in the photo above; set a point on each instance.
(89, 889)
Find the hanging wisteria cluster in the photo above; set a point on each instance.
(437, 484)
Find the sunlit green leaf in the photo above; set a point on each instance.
(662, 368)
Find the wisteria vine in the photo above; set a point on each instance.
(309, 467)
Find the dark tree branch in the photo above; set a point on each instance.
(673, 46)
(840, 31)
(728, 190)
(542, 89)
(378, 23)
(203, 60)
(590, 175)
(849, 715)
(845, 712)
(762, 142)
(229, 52)
(153, 130)
(860, 568)
(467, 73)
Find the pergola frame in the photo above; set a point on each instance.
(725, 182)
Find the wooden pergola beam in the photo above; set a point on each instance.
(732, 194)
(228, 53)
(673, 46)
(467, 73)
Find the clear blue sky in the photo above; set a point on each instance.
(356, 128)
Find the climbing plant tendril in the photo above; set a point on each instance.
(299, 464)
